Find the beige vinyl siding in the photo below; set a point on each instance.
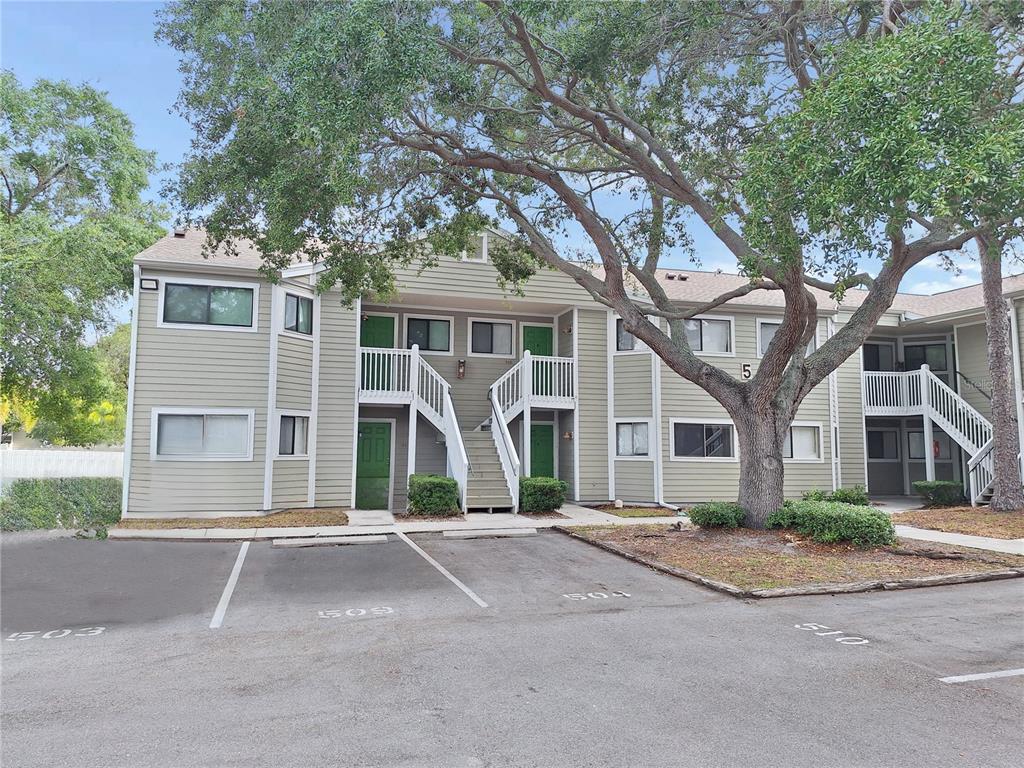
(291, 483)
(634, 480)
(693, 481)
(294, 372)
(972, 361)
(469, 394)
(851, 422)
(592, 346)
(339, 331)
(632, 386)
(201, 368)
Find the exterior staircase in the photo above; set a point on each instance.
(486, 486)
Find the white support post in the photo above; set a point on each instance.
(527, 397)
(414, 384)
(929, 453)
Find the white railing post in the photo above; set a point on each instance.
(527, 396)
(414, 385)
(926, 413)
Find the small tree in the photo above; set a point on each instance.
(798, 136)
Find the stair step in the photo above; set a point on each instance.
(489, 501)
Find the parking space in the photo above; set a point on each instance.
(59, 588)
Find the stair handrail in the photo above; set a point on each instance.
(973, 385)
(430, 386)
(976, 432)
(507, 453)
(434, 399)
(510, 388)
(458, 460)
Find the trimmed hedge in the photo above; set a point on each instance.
(61, 502)
(856, 495)
(941, 493)
(433, 495)
(717, 514)
(541, 494)
(830, 522)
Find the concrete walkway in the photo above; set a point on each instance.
(376, 522)
(1006, 546)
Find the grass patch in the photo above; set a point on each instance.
(636, 511)
(289, 518)
(974, 521)
(766, 559)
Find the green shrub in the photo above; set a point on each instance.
(61, 502)
(941, 493)
(855, 495)
(541, 494)
(717, 514)
(433, 495)
(830, 522)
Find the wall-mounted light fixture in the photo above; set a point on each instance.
(149, 283)
(567, 435)
(461, 373)
(567, 330)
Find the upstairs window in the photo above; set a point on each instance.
(710, 336)
(766, 332)
(298, 314)
(491, 338)
(432, 335)
(624, 340)
(208, 305)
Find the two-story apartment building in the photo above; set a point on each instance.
(248, 396)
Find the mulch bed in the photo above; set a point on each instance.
(635, 511)
(752, 563)
(289, 518)
(544, 515)
(974, 521)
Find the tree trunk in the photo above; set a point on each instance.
(1008, 495)
(759, 436)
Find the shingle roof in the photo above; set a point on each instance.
(683, 285)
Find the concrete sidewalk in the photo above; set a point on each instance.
(1006, 546)
(366, 524)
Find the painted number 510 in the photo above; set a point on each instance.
(845, 639)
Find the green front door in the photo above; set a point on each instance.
(542, 450)
(377, 331)
(539, 340)
(373, 465)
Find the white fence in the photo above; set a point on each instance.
(19, 464)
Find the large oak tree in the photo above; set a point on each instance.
(805, 138)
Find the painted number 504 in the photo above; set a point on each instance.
(822, 631)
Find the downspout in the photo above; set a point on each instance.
(1017, 389)
(129, 415)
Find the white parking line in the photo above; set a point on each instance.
(225, 598)
(982, 676)
(444, 572)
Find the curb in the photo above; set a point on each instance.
(917, 582)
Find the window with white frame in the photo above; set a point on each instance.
(431, 334)
(942, 449)
(883, 445)
(698, 440)
(766, 330)
(632, 439)
(803, 443)
(204, 436)
(624, 340)
(298, 314)
(708, 335)
(193, 304)
(488, 337)
(293, 437)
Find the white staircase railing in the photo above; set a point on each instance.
(510, 465)
(384, 374)
(458, 461)
(922, 393)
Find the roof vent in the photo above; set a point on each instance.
(670, 276)
(179, 231)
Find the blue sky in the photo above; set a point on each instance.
(110, 45)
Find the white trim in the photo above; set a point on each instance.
(271, 430)
(899, 446)
(576, 410)
(391, 466)
(522, 326)
(835, 459)
(821, 443)
(649, 421)
(279, 320)
(1015, 356)
(732, 335)
(451, 333)
(199, 410)
(314, 400)
(503, 314)
(357, 367)
(255, 287)
(372, 313)
(129, 419)
(734, 459)
(863, 418)
(659, 469)
(610, 394)
(484, 251)
(513, 353)
(308, 414)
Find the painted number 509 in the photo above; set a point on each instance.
(829, 632)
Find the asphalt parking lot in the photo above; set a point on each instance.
(532, 651)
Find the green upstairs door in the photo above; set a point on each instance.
(542, 450)
(373, 465)
(377, 331)
(539, 340)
